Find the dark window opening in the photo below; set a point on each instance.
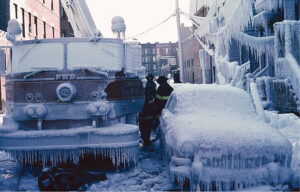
(23, 22)
(16, 11)
(44, 23)
(44, 1)
(53, 32)
(29, 23)
(36, 26)
(52, 6)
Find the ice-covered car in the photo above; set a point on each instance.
(213, 139)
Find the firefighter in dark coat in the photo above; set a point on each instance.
(162, 94)
(148, 115)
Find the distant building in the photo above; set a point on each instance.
(149, 58)
(159, 58)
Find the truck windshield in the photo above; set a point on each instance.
(104, 56)
(29, 57)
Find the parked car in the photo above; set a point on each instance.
(213, 139)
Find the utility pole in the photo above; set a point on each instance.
(180, 48)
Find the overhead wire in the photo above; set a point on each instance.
(153, 27)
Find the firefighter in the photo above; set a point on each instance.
(148, 116)
(162, 94)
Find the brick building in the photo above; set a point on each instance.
(159, 58)
(191, 47)
(38, 18)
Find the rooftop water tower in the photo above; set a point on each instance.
(118, 27)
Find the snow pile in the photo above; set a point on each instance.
(289, 126)
(232, 142)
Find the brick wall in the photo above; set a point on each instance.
(285, 100)
(39, 18)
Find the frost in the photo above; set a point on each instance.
(268, 5)
(234, 148)
(118, 142)
(118, 155)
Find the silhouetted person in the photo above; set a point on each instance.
(148, 115)
(162, 94)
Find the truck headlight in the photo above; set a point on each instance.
(187, 149)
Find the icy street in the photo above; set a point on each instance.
(151, 173)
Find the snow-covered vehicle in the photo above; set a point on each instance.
(213, 139)
(72, 99)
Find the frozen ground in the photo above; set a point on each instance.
(150, 174)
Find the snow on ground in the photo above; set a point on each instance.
(150, 175)
(13, 177)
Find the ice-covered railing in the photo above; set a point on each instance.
(258, 45)
(287, 38)
(229, 21)
(268, 5)
(232, 73)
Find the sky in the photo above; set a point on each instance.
(139, 16)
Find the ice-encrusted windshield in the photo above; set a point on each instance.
(215, 98)
(105, 56)
(30, 57)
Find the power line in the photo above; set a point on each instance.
(155, 26)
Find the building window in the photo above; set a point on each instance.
(44, 24)
(36, 26)
(53, 32)
(44, 2)
(157, 51)
(16, 11)
(52, 6)
(23, 22)
(167, 51)
(192, 62)
(154, 59)
(29, 23)
(153, 51)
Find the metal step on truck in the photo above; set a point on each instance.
(72, 102)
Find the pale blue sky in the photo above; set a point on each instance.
(139, 15)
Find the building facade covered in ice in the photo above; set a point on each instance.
(253, 41)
